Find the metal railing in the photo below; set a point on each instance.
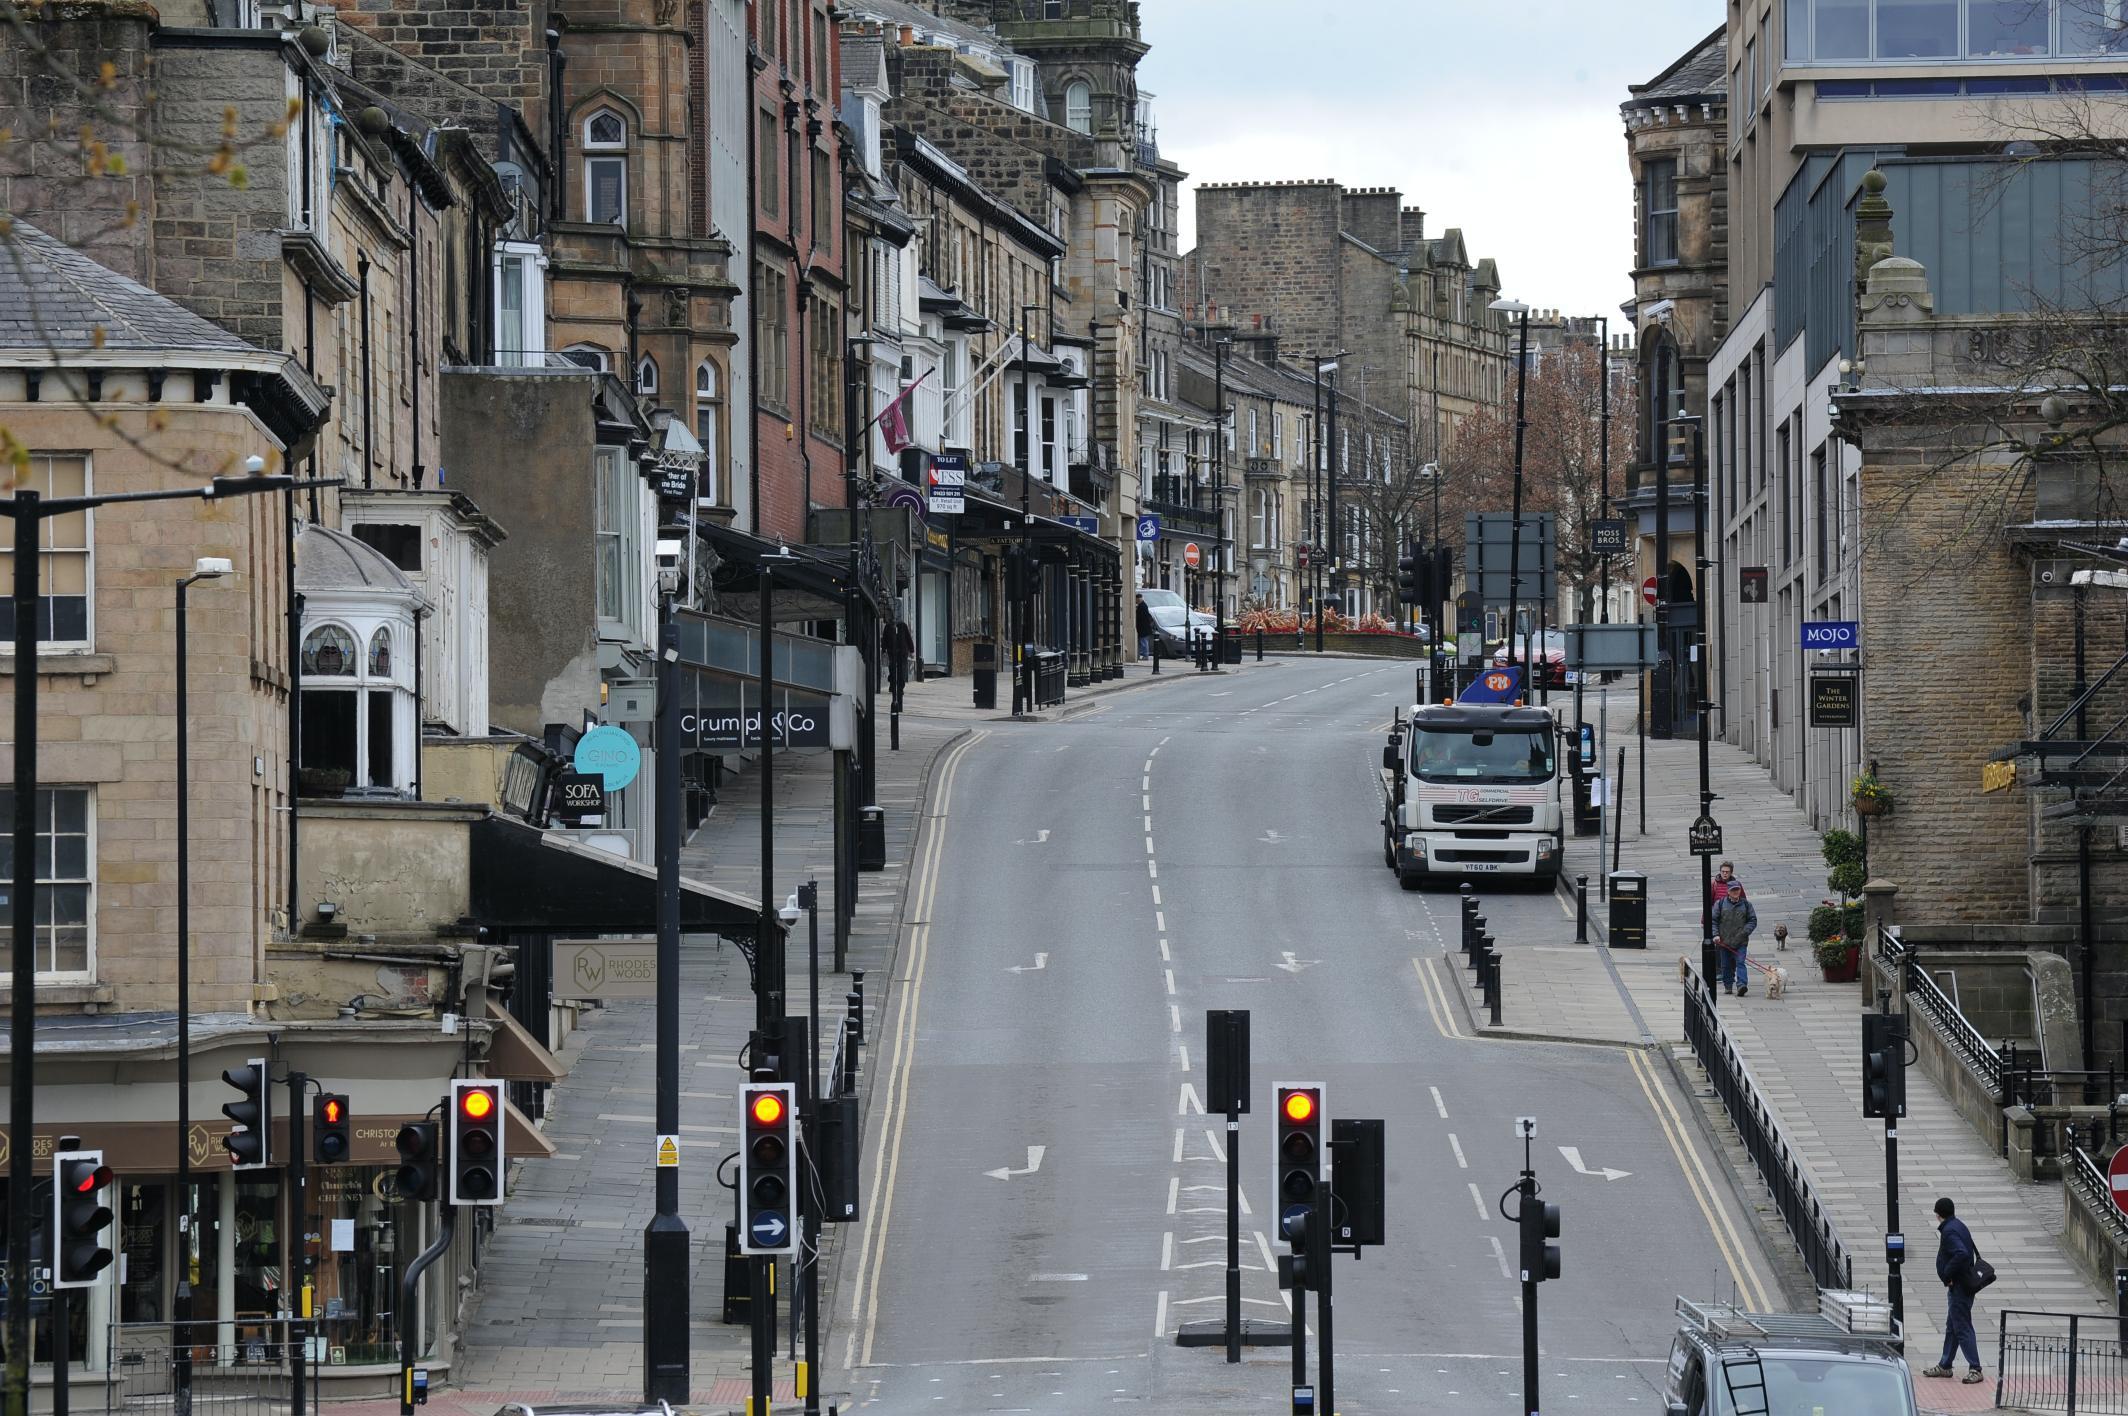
(1964, 1040)
(1891, 948)
(2082, 1174)
(2061, 1362)
(1778, 1160)
(247, 1367)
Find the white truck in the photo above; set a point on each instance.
(1472, 789)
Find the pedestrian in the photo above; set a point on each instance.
(1145, 629)
(1734, 920)
(1724, 874)
(901, 646)
(1963, 1273)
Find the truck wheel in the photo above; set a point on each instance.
(1411, 879)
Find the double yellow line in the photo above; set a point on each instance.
(894, 1102)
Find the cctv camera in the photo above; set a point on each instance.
(1662, 311)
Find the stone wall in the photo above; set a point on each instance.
(1273, 248)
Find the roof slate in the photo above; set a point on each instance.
(53, 297)
(1702, 72)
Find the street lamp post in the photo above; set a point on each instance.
(666, 1359)
(1219, 498)
(1692, 423)
(1514, 551)
(205, 568)
(1603, 449)
(1023, 601)
(28, 509)
(1321, 479)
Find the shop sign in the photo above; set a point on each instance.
(607, 969)
(1751, 585)
(609, 752)
(1834, 700)
(719, 712)
(1706, 836)
(1998, 776)
(580, 799)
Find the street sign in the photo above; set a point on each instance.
(1751, 585)
(769, 1230)
(668, 1152)
(1300, 556)
(1706, 837)
(1835, 700)
(1148, 528)
(1832, 634)
(1607, 537)
(1495, 556)
(1647, 590)
(1191, 555)
(608, 752)
(2117, 1178)
(1091, 525)
(947, 477)
(580, 798)
(1610, 648)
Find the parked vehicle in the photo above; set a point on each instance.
(1547, 649)
(1175, 623)
(1843, 1358)
(1473, 789)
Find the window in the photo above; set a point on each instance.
(1788, 527)
(646, 377)
(1079, 106)
(63, 572)
(1255, 446)
(358, 713)
(821, 78)
(520, 304)
(1917, 29)
(589, 356)
(1050, 466)
(772, 321)
(1817, 496)
(606, 168)
(1659, 212)
(1278, 433)
(708, 413)
(1259, 518)
(64, 934)
(767, 167)
(618, 534)
(399, 544)
(1903, 31)
(822, 216)
(824, 373)
(1019, 425)
(328, 652)
(1023, 86)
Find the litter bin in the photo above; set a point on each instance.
(1629, 910)
(985, 674)
(1230, 644)
(872, 838)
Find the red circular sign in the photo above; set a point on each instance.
(1190, 554)
(2117, 1178)
(1647, 589)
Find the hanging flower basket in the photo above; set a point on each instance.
(1870, 796)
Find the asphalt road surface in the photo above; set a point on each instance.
(1046, 1196)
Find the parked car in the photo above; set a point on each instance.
(1176, 624)
(1547, 648)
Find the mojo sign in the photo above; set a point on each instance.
(726, 713)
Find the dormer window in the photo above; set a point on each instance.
(606, 168)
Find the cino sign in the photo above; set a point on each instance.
(721, 713)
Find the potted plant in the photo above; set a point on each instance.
(1839, 957)
(1871, 798)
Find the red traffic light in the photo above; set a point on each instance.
(767, 1109)
(476, 1104)
(331, 1110)
(93, 1180)
(1299, 1106)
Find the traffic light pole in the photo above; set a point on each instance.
(1234, 1234)
(1319, 1270)
(410, 1305)
(1527, 1188)
(665, 1286)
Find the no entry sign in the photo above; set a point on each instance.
(1191, 555)
(1647, 589)
(2117, 1178)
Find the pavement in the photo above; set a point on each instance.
(1045, 1195)
(1802, 1049)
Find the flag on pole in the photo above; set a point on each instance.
(894, 423)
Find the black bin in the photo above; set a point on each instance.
(985, 674)
(1629, 910)
(1230, 646)
(872, 838)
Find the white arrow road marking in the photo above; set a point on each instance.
(1271, 838)
(1573, 1158)
(1293, 965)
(1034, 1163)
(1041, 838)
(1041, 961)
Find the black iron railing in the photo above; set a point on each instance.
(1779, 1162)
(1891, 949)
(1923, 996)
(2061, 1362)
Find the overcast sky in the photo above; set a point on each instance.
(1498, 117)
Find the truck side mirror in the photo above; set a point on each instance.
(1391, 750)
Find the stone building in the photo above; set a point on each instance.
(1677, 126)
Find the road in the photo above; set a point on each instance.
(1086, 890)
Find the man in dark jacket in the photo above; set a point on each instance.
(1954, 1268)
(1146, 628)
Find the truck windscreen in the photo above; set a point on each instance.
(1481, 757)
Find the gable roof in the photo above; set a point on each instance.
(53, 298)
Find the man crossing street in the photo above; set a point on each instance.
(1957, 1266)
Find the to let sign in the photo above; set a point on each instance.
(1706, 836)
(1834, 700)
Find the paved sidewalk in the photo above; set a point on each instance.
(953, 698)
(1803, 1049)
(559, 1311)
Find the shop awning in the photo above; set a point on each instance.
(527, 880)
(808, 585)
(521, 1136)
(513, 1053)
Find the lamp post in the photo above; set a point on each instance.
(1514, 551)
(665, 1238)
(205, 568)
(1603, 448)
(1023, 602)
(1681, 426)
(1318, 477)
(28, 509)
(1219, 498)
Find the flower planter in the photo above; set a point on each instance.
(1846, 971)
(1872, 806)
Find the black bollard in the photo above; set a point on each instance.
(1581, 909)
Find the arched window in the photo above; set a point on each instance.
(606, 168)
(589, 356)
(1079, 106)
(380, 654)
(646, 376)
(709, 414)
(329, 652)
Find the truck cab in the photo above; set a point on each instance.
(1844, 1359)
(1473, 789)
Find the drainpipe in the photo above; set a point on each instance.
(362, 266)
(413, 320)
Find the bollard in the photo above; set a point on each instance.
(1156, 653)
(1493, 1002)
(2120, 1300)
(1581, 909)
(1259, 644)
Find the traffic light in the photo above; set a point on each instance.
(1540, 1222)
(476, 1142)
(250, 1144)
(332, 1134)
(1444, 574)
(768, 1169)
(1411, 589)
(1884, 1065)
(417, 1160)
(1297, 1159)
(79, 1218)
